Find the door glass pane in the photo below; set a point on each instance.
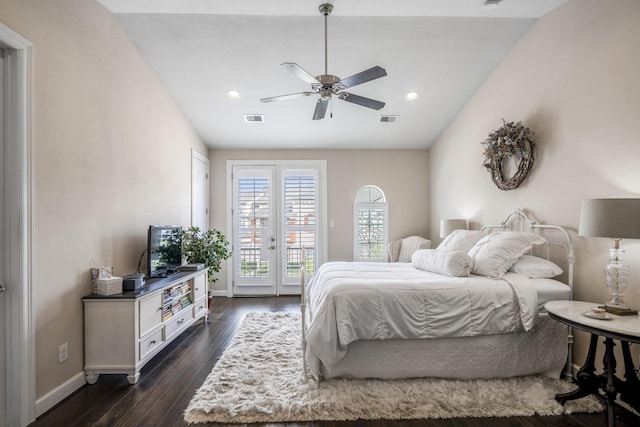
(370, 224)
(371, 235)
(254, 228)
(300, 225)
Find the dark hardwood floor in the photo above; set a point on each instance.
(168, 382)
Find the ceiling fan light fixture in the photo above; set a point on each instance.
(327, 85)
(491, 4)
(410, 96)
(233, 94)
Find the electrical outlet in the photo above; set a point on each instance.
(63, 352)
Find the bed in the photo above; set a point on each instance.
(470, 309)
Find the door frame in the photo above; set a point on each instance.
(197, 157)
(322, 202)
(20, 318)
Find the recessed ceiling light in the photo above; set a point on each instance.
(232, 93)
(491, 4)
(412, 95)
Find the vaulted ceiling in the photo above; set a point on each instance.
(442, 49)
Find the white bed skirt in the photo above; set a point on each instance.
(542, 350)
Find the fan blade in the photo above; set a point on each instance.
(321, 109)
(364, 76)
(300, 72)
(289, 96)
(361, 100)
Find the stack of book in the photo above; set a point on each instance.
(166, 312)
(175, 299)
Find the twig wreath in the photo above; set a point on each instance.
(510, 140)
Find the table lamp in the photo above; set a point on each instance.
(616, 219)
(449, 225)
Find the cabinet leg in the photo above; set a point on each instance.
(91, 376)
(133, 378)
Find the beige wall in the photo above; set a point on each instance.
(574, 78)
(112, 152)
(401, 174)
(111, 155)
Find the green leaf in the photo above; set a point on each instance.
(209, 248)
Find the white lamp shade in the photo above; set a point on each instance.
(613, 218)
(449, 225)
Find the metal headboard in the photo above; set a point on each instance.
(527, 224)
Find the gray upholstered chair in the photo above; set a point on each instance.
(401, 250)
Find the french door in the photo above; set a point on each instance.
(277, 216)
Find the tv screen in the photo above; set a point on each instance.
(164, 250)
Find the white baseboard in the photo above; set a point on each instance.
(59, 393)
(218, 293)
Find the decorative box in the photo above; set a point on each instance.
(109, 286)
(103, 272)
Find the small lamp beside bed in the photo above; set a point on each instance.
(447, 226)
(615, 218)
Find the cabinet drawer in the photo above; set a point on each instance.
(200, 307)
(150, 342)
(150, 313)
(199, 286)
(177, 322)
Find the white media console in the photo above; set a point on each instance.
(123, 332)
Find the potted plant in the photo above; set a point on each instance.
(209, 248)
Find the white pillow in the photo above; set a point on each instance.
(536, 268)
(494, 254)
(447, 263)
(461, 240)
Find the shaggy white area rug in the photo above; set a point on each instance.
(259, 379)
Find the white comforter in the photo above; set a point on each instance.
(350, 301)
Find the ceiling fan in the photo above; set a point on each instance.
(327, 85)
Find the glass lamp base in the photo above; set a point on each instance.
(616, 278)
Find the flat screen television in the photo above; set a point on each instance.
(164, 250)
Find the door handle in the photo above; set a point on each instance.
(2, 288)
(272, 247)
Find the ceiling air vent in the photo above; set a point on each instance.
(389, 119)
(254, 118)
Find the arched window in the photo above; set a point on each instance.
(370, 224)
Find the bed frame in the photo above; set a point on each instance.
(518, 217)
(515, 221)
